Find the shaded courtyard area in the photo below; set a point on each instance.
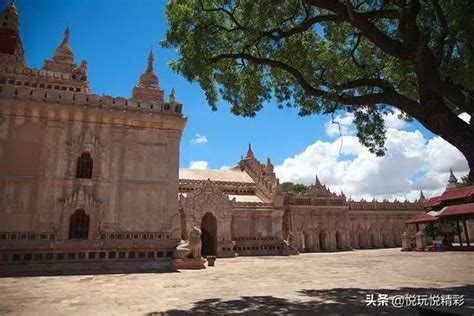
(308, 283)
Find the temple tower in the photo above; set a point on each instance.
(148, 88)
(11, 47)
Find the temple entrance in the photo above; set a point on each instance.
(322, 241)
(339, 242)
(361, 241)
(372, 241)
(209, 235)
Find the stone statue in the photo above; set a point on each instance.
(290, 240)
(191, 248)
(288, 245)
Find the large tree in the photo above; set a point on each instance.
(367, 57)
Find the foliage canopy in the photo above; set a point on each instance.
(324, 56)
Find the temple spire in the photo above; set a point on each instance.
(422, 198)
(151, 58)
(63, 53)
(452, 181)
(10, 18)
(148, 88)
(67, 33)
(172, 97)
(250, 152)
(10, 42)
(148, 79)
(317, 182)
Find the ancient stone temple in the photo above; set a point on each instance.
(76, 178)
(87, 178)
(244, 211)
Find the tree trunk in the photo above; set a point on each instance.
(435, 115)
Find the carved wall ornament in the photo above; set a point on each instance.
(86, 142)
(80, 199)
(85, 201)
(207, 198)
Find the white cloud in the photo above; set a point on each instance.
(411, 163)
(199, 139)
(340, 125)
(198, 164)
(392, 120)
(465, 117)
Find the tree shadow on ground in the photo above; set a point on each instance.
(337, 301)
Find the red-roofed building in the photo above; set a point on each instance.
(454, 206)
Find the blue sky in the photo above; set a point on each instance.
(115, 36)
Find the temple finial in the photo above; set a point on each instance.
(63, 53)
(9, 17)
(250, 152)
(67, 33)
(269, 165)
(151, 58)
(148, 79)
(317, 182)
(172, 96)
(452, 177)
(452, 181)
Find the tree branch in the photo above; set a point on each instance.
(389, 96)
(274, 64)
(366, 27)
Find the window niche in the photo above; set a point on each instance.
(84, 166)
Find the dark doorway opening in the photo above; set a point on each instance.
(209, 235)
(322, 241)
(79, 225)
(339, 241)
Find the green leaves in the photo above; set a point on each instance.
(249, 52)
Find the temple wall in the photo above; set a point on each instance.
(325, 228)
(130, 197)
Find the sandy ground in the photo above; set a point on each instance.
(319, 283)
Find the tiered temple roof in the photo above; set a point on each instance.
(60, 80)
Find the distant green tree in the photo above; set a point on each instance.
(296, 187)
(465, 182)
(434, 229)
(366, 57)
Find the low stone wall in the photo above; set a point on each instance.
(258, 246)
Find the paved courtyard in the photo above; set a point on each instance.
(308, 283)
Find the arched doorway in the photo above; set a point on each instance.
(339, 241)
(307, 245)
(361, 241)
(322, 241)
(209, 235)
(397, 239)
(79, 225)
(373, 244)
(285, 225)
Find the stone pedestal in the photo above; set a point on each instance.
(210, 261)
(288, 250)
(405, 242)
(420, 241)
(225, 249)
(187, 264)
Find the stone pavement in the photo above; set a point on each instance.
(317, 283)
